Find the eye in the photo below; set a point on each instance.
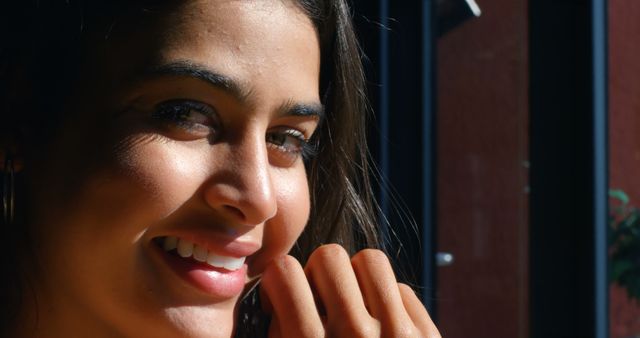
(290, 143)
(186, 118)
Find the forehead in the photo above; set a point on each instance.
(268, 43)
(243, 25)
(265, 35)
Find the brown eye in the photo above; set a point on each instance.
(187, 115)
(290, 144)
(288, 140)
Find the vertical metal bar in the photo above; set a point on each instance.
(600, 165)
(428, 137)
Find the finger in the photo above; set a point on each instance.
(418, 312)
(274, 328)
(287, 291)
(381, 293)
(332, 277)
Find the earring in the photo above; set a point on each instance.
(8, 191)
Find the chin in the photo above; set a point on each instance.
(192, 322)
(200, 322)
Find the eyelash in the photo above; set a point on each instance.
(304, 147)
(175, 114)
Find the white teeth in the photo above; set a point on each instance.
(234, 263)
(215, 260)
(229, 263)
(170, 243)
(200, 253)
(185, 248)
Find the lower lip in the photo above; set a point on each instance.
(216, 282)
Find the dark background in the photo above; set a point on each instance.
(492, 137)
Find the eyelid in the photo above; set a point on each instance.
(307, 125)
(175, 108)
(188, 103)
(307, 148)
(296, 133)
(179, 119)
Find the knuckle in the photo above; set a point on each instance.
(370, 256)
(406, 289)
(311, 332)
(281, 267)
(328, 252)
(404, 286)
(356, 329)
(288, 263)
(404, 331)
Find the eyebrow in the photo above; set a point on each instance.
(190, 69)
(235, 88)
(296, 109)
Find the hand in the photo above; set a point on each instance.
(336, 296)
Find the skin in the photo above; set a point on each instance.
(136, 178)
(358, 297)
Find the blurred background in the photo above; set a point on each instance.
(510, 131)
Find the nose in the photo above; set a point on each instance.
(241, 187)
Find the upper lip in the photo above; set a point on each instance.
(220, 244)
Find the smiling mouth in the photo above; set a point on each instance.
(191, 251)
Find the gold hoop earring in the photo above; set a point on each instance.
(8, 191)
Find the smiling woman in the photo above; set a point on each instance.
(162, 158)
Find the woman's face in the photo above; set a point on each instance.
(179, 172)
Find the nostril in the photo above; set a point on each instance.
(242, 197)
(237, 213)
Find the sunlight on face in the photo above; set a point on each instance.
(185, 153)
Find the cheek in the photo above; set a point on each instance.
(282, 231)
(141, 185)
(164, 174)
(111, 209)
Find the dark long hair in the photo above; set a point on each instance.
(45, 42)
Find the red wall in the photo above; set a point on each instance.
(482, 174)
(482, 114)
(624, 120)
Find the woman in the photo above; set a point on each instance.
(165, 156)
